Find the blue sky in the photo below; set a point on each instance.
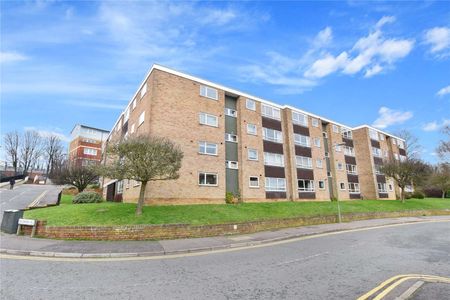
(385, 64)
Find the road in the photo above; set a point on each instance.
(339, 266)
(21, 196)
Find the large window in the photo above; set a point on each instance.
(377, 152)
(305, 185)
(353, 187)
(207, 119)
(252, 154)
(275, 184)
(373, 134)
(251, 129)
(250, 104)
(382, 187)
(209, 92)
(207, 148)
(207, 179)
(272, 135)
(273, 159)
(270, 112)
(141, 118)
(349, 151)
(303, 162)
(300, 119)
(351, 169)
(302, 140)
(90, 151)
(346, 133)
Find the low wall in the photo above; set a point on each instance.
(174, 231)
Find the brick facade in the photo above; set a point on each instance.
(171, 103)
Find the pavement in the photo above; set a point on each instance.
(336, 265)
(22, 245)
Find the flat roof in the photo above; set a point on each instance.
(240, 93)
(90, 127)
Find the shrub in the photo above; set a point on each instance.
(408, 195)
(418, 195)
(229, 198)
(93, 186)
(87, 197)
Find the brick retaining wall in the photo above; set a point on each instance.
(174, 231)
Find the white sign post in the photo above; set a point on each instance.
(27, 222)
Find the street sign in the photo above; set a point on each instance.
(27, 222)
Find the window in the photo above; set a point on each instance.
(302, 140)
(327, 154)
(210, 120)
(391, 187)
(342, 186)
(207, 179)
(378, 169)
(126, 115)
(396, 156)
(273, 159)
(401, 144)
(321, 184)
(340, 166)
(133, 104)
(119, 187)
(394, 141)
(381, 137)
(325, 135)
(275, 184)
(319, 163)
(90, 151)
(303, 162)
(231, 164)
(338, 147)
(300, 119)
(231, 137)
(349, 151)
(251, 129)
(253, 182)
(143, 90)
(207, 148)
(315, 122)
(373, 134)
(317, 142)
(272, 135)
(270, 112)
(329, 174)
(335, 128)
(252, 154)
(353, 187)
(231, 112)
(376, 152)
(305, 185)
(250, 104)
(351, 169)
(141, 118)
(209, 92)
(132, 128)
(346, 133)
(382, 188)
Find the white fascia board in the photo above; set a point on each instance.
(317, 116)
(380, 131)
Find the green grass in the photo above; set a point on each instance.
(108, 213)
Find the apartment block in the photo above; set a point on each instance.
(85, 148)
(256, 149)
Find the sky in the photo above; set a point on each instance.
(385, 64)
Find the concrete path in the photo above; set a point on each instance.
(21, 245)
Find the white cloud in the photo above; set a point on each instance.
(444, 91)
(101, 105)
(8, 57)
(324, 37)
(372, 54)
(388, 117)
(435, 125)
(438, 38)
(48, 132)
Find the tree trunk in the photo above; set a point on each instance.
(402, 195)
(443, 194)
(140, 203)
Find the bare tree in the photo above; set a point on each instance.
(11, 144)
(443, 150)
(52, 146)
(30, 149)
(78, 176)
(440, 178)
(405, 173)
(412, 146)
(143, 158)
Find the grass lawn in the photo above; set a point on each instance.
(108, 213)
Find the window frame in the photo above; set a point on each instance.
(299, 142)
(342, 186)
(319, 166)
(315, 122)
(204, 92)
(308, 166)
(206, 146)
(141, 119)
(205, 174)
(304, 188)
(256, 152)
(355, 189)
(250, 182)
(323, 183)
(272, 114)
(278, 188)
(277, 133)
(319, 144)
(253, 107)
(229, 137)
(251, 132)
(232, 164)
(269, 162)
(302, 119)
(206, 115)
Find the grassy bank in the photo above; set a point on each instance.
(107, 213)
